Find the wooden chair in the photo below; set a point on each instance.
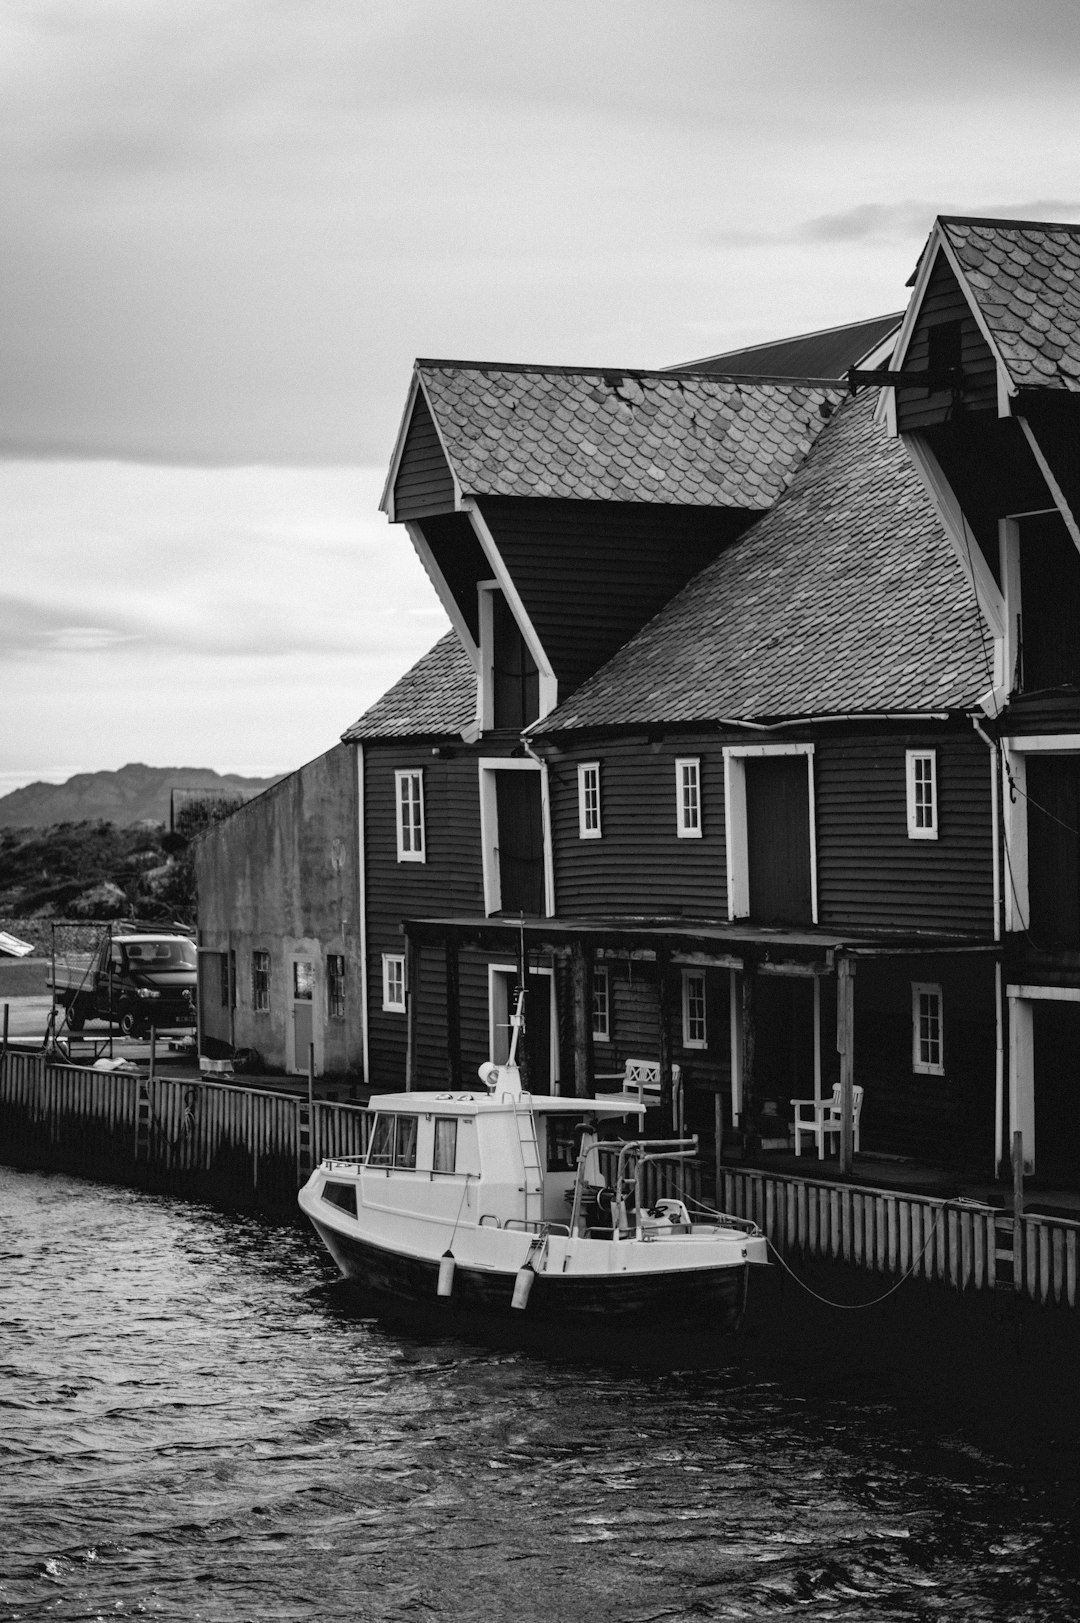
(642, 1076)
(822, 1118)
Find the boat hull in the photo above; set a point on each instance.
(706, 1298)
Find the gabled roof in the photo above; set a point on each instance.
(628, 436)
(437, 696)
(826, 354)
(845, 598)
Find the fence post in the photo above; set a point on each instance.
(1018, 1210)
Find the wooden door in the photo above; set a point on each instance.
(1056, 1031)
(778, 840)
(536, 1043)
(303, 1012)
(515, 678)
(520, 842)
(1053, 808)
(1049, 604)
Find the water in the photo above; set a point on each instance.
(197, 1423)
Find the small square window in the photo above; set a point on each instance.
(335, 985)
(405, 1142)
(695, 1032)
(601, 1006)
(688, 798)
(927, 1043)
(393, 982)
(260, 982)
(922, 813)
(409, 788)
(588, 778)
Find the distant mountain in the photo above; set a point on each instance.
(133, 795)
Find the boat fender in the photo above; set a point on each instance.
(446, 1273)
(523, 1284)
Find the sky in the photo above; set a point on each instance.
(231, 225)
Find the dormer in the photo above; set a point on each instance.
(984, 390)
(556, 510)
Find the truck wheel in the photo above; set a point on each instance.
(128, 1022)
(76, 1019)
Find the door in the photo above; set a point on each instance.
(520, 853)
(778, 840)
(303, 1012)
(1056, 1032)
(1053, 813)
(537, 1038)
(783, 1041)
(1049, 604)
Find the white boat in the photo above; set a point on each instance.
(510, 1200)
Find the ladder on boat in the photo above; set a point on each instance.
(533, 1185)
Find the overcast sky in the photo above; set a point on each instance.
(230, 226)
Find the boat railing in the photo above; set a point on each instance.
(534, 1226)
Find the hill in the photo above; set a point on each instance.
(134, 794)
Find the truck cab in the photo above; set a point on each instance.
(138, 979)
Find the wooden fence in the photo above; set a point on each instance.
(962, 1245)
(235, 1145)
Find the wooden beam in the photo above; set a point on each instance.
(667, 1026)
(845, 1044)
(750, 1122)
(581, 997)
(453, 1012)
(412, 1010)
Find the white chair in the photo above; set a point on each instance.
(822, 1118)
(642, 1076)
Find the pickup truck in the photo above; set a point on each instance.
(136, 979)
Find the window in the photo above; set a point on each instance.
(928, 1053)
(688, 798)
(588, 784)
(335, 985)
(393, 1142)
(693, 1009)
(393, 982)
(410, 816)
(405, 1142)
(445, 1157)
(601, 1006)
(260, 982)
(340, 1194)
(381, 1148)
(922, 795)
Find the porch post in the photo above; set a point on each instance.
(845, 1045)
(750, 1123)
(453, 1012)
(412, 1009)
(581, 985)
(667, 1013)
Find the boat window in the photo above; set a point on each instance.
(445, 1144)
(405, 1142)
(341, 1194)
(563, 1141)
(381, 1153)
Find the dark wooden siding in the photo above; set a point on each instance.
(1041, 713)
(992, 472)
(943, 302)
(949, 1119)
(424, 483)
(591, 573)
(461, 561)
(449, 882)
(870, 874)
(639, 866)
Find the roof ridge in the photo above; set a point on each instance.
(1020, 225)
(666, 374)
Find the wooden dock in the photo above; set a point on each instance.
(249, 1148)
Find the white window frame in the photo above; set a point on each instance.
(738, 866)
(688, 977)
(688, 797)
(588, 801)
(391, 981)
(411, 838)
(915, 829)
(489, 828)
(498, 975)
(927, 1067)
(601, 995)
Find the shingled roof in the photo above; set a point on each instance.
(629, 436)
(824, 354)
(845, 597)
(437, 696)
(1025, 278)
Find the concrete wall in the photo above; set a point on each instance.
(281, 876)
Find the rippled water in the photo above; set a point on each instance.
(197, 1423)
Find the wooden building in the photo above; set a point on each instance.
(984, 394)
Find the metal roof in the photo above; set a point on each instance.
(826, 354)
